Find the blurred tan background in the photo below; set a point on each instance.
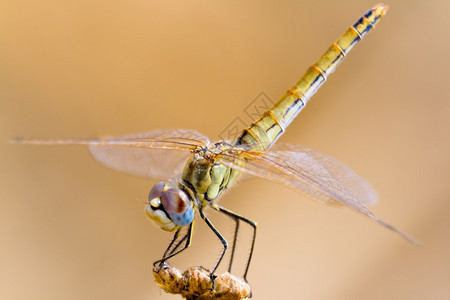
(72, 229)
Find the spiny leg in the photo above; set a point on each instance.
(187, 237)
(238, 218)
(236, 230)
(221, 238)
(179, 243)
(171, 253)
(167, 252)
(175, 236)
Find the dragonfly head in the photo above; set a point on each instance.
(169, 207)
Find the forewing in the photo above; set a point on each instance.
(150, 161)
(156, 154)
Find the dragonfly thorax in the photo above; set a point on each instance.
(213, 149)
(206, 177)
(169, 207)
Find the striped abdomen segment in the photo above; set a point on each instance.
(264, 132)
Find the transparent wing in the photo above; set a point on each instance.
(310, 173)
(145, 162)
(150, 162)
(155, 154)
(353, 183)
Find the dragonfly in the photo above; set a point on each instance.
(200, 170)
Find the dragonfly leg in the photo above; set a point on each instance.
(169, 253)
(238, 218)
(233, 250)
(175, 236)
(179, 243)
(221, 238)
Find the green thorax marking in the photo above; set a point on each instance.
(208, 178)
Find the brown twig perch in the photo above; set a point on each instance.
(195, 283)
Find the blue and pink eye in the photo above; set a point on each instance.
(177, 206)
(175, 203)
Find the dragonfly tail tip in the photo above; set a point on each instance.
(381, 9)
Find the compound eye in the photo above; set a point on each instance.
(175, 201)
(156, 191)
(177, 206)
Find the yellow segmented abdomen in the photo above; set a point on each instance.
(264, 132)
